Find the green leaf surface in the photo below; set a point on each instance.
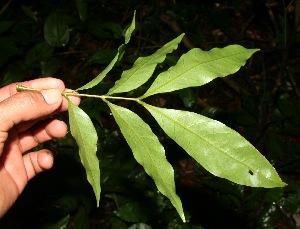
(219, 149)
(56, 30)
(83, 130)
(102, 74)
(132, 212)
(198, 67)
(130, 29)
(148, 151)
(143, 68)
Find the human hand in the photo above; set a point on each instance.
(24, 125)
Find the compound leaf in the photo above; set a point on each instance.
(83, 130)
(198, 67)
(148, 151)
(143, 68)
(219, 149)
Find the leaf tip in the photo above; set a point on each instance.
(183, 218)
(283, 184)
(256, 50)
(98, 200)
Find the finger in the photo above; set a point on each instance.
(43, 132)
(27, 106)
(36, 162)
(41, 83)
(26, 125)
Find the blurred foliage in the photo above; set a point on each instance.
(74, 40)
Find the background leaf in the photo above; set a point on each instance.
(82, 9)
(40, 52)
(198, 67)
(56, 30)
(5, 25)
(148, 151)
(132, 212)
(103, 56)
(7, 50)
(108, 30)
(219, 149)
(140, 226)
(188, 97)
(50, 67)
(83, 130)
(143, 68)
(29, 13)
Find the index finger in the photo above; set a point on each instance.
(41, 83)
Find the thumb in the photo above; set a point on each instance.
(28, 105)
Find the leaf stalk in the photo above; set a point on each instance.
(74, 93)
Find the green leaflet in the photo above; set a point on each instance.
(143, 68)
(148, 151)
(198, 67)
(83, 130)
(102, 74)
(219, 149)
(130, 29)
(118, 57)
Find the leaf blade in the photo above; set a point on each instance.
(130, 29)
(221, 145)
(81, 126)
(143, 68)
(197, 67)
(148, 151)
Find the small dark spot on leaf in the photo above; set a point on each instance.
(251, 173)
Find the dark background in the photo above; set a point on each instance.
(261, 102)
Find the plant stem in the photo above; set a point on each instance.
(20, 87)
(74, 93)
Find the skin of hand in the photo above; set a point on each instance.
(24, 124)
